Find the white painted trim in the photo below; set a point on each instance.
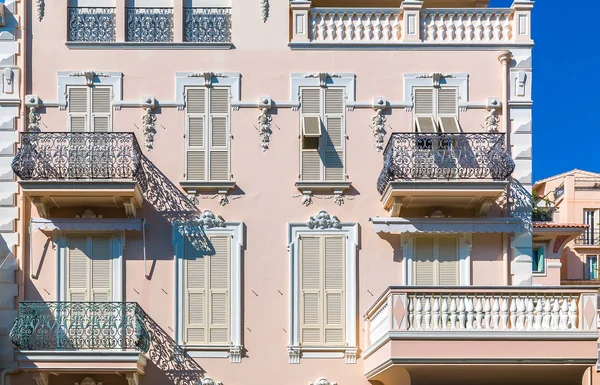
(224, 79)
(295, 230)
(66, 78)
(301, 79)
(464, 254)
(545, 272)
(309, 354)
(236, 231)
(458, 80)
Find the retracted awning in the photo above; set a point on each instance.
(393, 225)
(86, 224)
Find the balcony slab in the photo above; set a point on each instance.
(109, 361)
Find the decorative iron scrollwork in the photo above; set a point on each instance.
(207, 25)
(92, 24)
(150, 24)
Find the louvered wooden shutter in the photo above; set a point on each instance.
(334, 290)
(101, 109)
(77, 269)
(101, 281)
(310, 163)
(447, 110)
(219, 290)
(196, 138)
(78, 109)
(310, 291)
(424, 110)
(195, 296)
(219, 141)
(334, 122)
(424, 261)
(448, 261)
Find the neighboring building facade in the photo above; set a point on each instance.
(306, 192)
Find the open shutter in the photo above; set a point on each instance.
(219, 138)
(196, 123)
(78, 109)
(310, 117)
(78, 264)
(219, 290)
(195, 289)
(424, 262)
(447, 110)
(424, 110)
(448, 261)
(334, 290)
(101, 109)
(101, 281)
(334, 122)
(310, 291)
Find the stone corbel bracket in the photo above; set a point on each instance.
(264, 121)
(378, 122)
(32, 102)
(149, 121)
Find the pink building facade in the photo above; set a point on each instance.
(222, 191)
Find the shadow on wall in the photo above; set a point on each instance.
(572, 265)
(520, 204)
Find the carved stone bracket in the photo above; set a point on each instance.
(88, 214)
(350, 356)
(235, 354)
(41, 9)
(42, 208)
(132, 379)
(492, 121)
(41, 378)
(322, 381)
(208, 220)
(149, 128)
(33, 117)
(293, 355)
(436, 76)
(208, 77)
(264, 122)
(322, 76)
(378, 121)
(88, 381)
(483, 207)
(323, 221)
(89, 76)
(264, 10)
(307, 199)
(209, 381)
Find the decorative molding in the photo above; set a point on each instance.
(293, 355)
(264, 10)
(90, 381)
(129, 206)
(436, 79)
(322, 79)
(41, 378)
(208, 220)
(33, 120)
(207, 76)
(558, 242)
(264, 128)
(307, 199)
(149, 128)
(322, 76)
(435, 76)
(208, 79)
(235, 354)
(42, 208)
(132, 378)
(88, 214)
(492, 122)
(322, 381)
(378, 121)
(323, 221)
(41, 9)
(89, 76)
(209, 381)
(350, 356)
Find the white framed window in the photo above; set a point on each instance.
(208, 133)
(323, 138)
(323, 286)
(538, 260)
(437, 260)
(591, 217)
(89, 108)
(208, 290)
(591, 267)
(436, 109)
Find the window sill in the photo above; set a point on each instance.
(196, 186)
(234, 352)
(146, 45)
(307, 187)
(348, 353)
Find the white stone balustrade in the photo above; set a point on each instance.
(513, 310)
(466, 26)
(346, 26)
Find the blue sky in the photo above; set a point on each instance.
(566, 115)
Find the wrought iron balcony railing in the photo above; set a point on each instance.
(77, 155)
(207, 25)
(588, 240)
(81, 326)
(150, 24)
(92, 24)
(418, 156)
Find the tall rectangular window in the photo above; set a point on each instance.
(591, 267)
(538, 260)
(322, 298)
(436, 109)
(323, 134)
(590, 217)
(436, 261)
(89, 108)
(207, 293)
(207, 133)
(89, 272)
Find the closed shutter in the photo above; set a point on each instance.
(196, 123)
(334, 122)
(78, 109)
(195, 292)
(310, 159)
(77, 269)
(219, 141)
(101, 281)
(424, 261)
(448, 261)
(101, 109)
(424, 110)
(310, 291)
(447, 110)
(219, 291)
(334, 290)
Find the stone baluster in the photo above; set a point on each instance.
(313, 26)
(479, 28)
(387, 27)
(539, 308)
(350, 28)
(520, 313)
(341, 26)
(360, 27)
(496, 313)
(504, 316)
(564, 314)
(470, 28)
(321, 27)
(478, 312)
(453, 310)
(488, 27)
(470, 314)
(444, 313)
(461, 28)
(530, 310)
(411, 313)
(431, 29)
(419, 314)
(573, 314)
(546, 318)
(555, 314)
(330, 27)
(396, 27)
(436, 313)
(376, 26)
(427, 313)
(452, 28)
(369, 34)
(506, 28)
(461, 313)
(487, 309)
(513, 312)
(442, 35)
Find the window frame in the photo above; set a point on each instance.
(588, 265)
(436, 261)
(235, 230)
(89, 108)
(347, 351)
(435, 116)
(544, 272)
